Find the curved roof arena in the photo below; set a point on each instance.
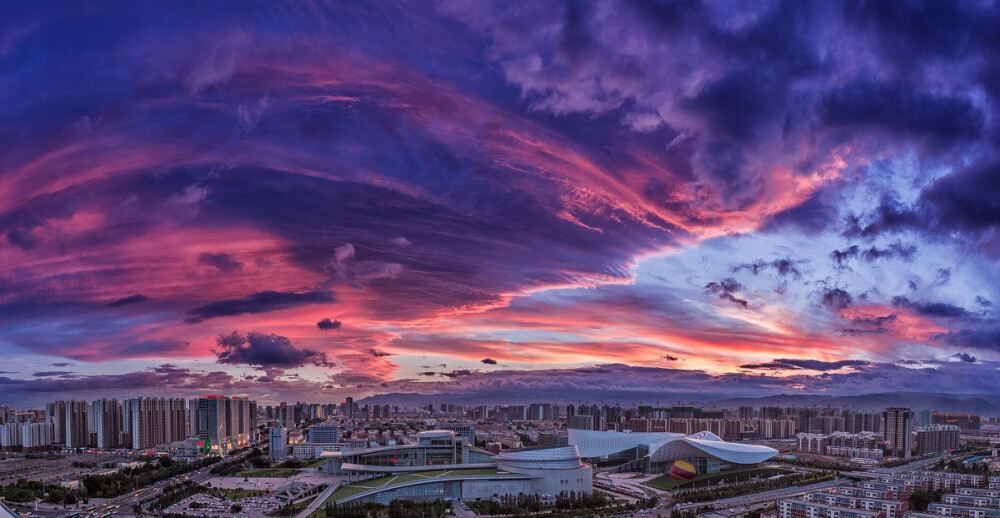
(665, 447)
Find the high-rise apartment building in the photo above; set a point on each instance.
(36, 436)
(76, 424)
(226, 423)
(937, 438)
(580, 422)
(965, 422)
(56, 411)
(896, 427)
(154, 421)
(106, 416)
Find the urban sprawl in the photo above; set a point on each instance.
(229, 456)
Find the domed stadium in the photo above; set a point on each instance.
(658, 452)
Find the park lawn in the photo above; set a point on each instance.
(667, 484)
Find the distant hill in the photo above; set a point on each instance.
(986, 405)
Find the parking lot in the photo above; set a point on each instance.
(54, 470)
(253, 507)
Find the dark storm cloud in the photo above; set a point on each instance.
(266, 350)
(836, 299)
(812, 217)
(488, 361)
(457, 373)
(46, 374)
(726, 290)
(815, 365)
(543, 153)
(262, 302)
(985, 337)
(125, 301)
(890, 215)
(959, 204)
(871, 324)
(930, 309)
(966, 200)
(224, 263)
(782, 267)
(894, 251)
(22, 239)
(965, 357)
(326, 323)
(899, 108)
(839, 256)
(378, 354)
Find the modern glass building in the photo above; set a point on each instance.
(541, 471)
(434, 449)
(655, 452)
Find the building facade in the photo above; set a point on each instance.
(897, 430)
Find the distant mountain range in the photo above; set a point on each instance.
(985, 405)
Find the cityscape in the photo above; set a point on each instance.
(500, 259)
(218, 455)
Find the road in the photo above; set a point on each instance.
(766, 496)
(919, 464)
(153, 491)
(315, 505)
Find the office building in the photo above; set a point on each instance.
(326, 432)
(278, 439)
(462, 430)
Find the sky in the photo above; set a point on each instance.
(310, 200)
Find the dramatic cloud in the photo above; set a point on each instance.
(261, 302)
(726, 290)
(326, 323)
(965, 357)
(224, 263)
(125, 301)
(266, 350)
(930, 309)
(540, 185)
(837, 299)
(781, 266)
(814, 365)
(46, 374)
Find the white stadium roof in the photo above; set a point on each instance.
(664, 446)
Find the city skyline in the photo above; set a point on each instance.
(682, 199)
